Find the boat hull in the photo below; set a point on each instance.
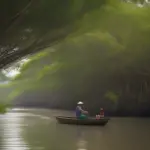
(89, 121)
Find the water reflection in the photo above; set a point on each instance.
(38, 130)
(11, 124)
(81, 143)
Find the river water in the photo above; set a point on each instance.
(37, 129)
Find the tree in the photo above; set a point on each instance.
(106, 56)
(29, 26)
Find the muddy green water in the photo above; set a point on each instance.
(34, 129)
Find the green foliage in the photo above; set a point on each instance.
(108, 51)
(112, 96)
(3, 108)
(32, 61)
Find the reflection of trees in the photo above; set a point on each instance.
(41, 133)
(50, 135)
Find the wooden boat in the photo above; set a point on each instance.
(89, 121)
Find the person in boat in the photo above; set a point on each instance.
(101, 113)
(80, 113)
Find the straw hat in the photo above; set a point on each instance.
(80, 103)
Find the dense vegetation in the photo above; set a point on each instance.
(104, 61)
(30, 25)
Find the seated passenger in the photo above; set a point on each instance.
(101, 113)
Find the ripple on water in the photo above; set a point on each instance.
(10, 132)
